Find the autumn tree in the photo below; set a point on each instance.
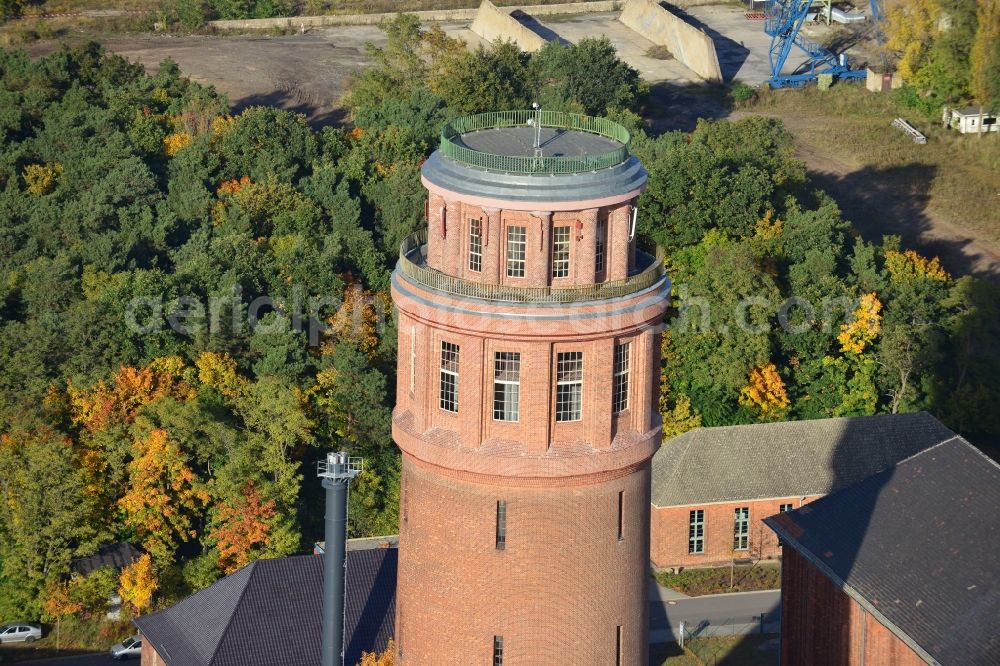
(985, 56)
(242, 533)
(765, 392)
(163, 498)
(386, 657)
(137, 584)
(57, 604)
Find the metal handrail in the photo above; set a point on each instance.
(531, 164)
(434, 279)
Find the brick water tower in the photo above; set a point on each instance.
(526, 407)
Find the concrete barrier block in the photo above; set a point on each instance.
(691, 46)
(492, 24)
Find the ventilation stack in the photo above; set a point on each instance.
(336, 471)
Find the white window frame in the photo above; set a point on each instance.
(475, 245)
(517, 248)
(560, 251)
(696, 532)
(741, 528)
(507, 383)
(569, 386)
(620, 380)
(448, 385)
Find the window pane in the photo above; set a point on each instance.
(741, 529)
(599, 260)
(619, 397)
(475, 245)
(506, 385)
(696, 531)
(560, 252)
(515, 251)
(501, 524)
(569, 386)
(449, 377)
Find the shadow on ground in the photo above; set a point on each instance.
(731, 54)
(318, 113)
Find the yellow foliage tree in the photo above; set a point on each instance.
(219, 372)
(357, 319)
(909, 266)
(765, 391)
(385, 658)
(910, 26)
(163, 493)
(865, 326)
(137, 584)
(173, 142)
(40, 179)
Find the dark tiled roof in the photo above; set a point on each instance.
(919, 546)
(270, 613)
(117, 555)
(790, 459)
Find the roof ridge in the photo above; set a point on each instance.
(239, 602)
(929, 448)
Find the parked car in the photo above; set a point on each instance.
(20, 633)
(130, 647)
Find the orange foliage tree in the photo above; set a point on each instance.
(163, 494)
(244, 527)
(385, 658)
(59, 604)
(137, 584)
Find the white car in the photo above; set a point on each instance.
(20, 633)
(130, 647)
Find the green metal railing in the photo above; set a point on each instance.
(530, 164)
(411, 259)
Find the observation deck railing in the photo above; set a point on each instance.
(412, 265)
(528, 163)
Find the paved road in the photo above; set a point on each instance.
(714, 615)
(102, 659)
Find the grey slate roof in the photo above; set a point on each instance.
(919, 546)
(117, 555)
(791, 459)
(269, 613)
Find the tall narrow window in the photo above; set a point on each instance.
(569, 386)
(599, 259)
(449, 377)
(506, 385)
(475, 245)
(516, 243)
(618, 645)
(498, 651)
(741, 529)
(619, 392)
(621, 515)
(782, 509)
(501, 524)
(696, 532)
(560, 252)
(413, 357)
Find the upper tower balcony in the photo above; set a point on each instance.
(529, 203)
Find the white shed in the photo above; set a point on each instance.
(967, 120)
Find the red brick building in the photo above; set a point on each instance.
(525, 407)
(712, 487)
(901, 569)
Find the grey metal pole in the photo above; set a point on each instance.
(336, 471)
(334, 571)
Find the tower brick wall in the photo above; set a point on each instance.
(524, 530)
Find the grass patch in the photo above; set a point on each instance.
(670, 654)
(733, 651)
(660, 52)
(852, 124)
(715, 580)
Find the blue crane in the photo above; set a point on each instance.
(783, 22)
